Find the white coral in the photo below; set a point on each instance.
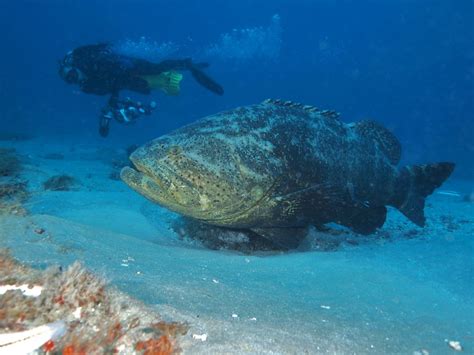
(29, 340)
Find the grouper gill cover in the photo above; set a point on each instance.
(277, 167)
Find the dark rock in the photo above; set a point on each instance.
(449, 223)
(13, 190)
(9, 162)
(12, 196)
(59, 183)
(218, 238)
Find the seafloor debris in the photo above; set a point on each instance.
(455, 345)
(201, 337)
(13, 192)
(449, 222)
(96, 318)
(421, 352)
(9, 162)
(59, 183)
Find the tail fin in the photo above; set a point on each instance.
(414, 184)
(167, 81)
(203, 79)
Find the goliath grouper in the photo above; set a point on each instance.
(277, 167)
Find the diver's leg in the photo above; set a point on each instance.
(104, 125)
(114, 99)
(148, 68)
(139, 85)
(179, 64)
(206, 81)
(196, 70)
(173, 64)
(107, 114)
(144, 67)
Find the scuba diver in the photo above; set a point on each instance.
(98, 70)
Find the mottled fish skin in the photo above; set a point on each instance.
(271, 165)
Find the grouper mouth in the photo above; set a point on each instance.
(166, 188)
(157, 186)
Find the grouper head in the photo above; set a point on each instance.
(204, 176)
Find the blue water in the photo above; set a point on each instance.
(406, 64)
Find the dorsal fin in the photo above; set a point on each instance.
(308, 108)
(387, 141)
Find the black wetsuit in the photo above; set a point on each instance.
(106, 72)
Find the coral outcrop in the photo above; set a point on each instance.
(96, 318)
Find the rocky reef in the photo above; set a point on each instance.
(71, 311)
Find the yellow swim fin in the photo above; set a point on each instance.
(167, 81)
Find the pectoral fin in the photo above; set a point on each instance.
(304, 201)
(365, 220)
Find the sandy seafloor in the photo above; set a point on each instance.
(401, 291)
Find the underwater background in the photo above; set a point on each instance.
(406, 64)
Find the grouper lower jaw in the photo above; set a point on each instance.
(148, 187)
(140, 182)
(158, 192)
